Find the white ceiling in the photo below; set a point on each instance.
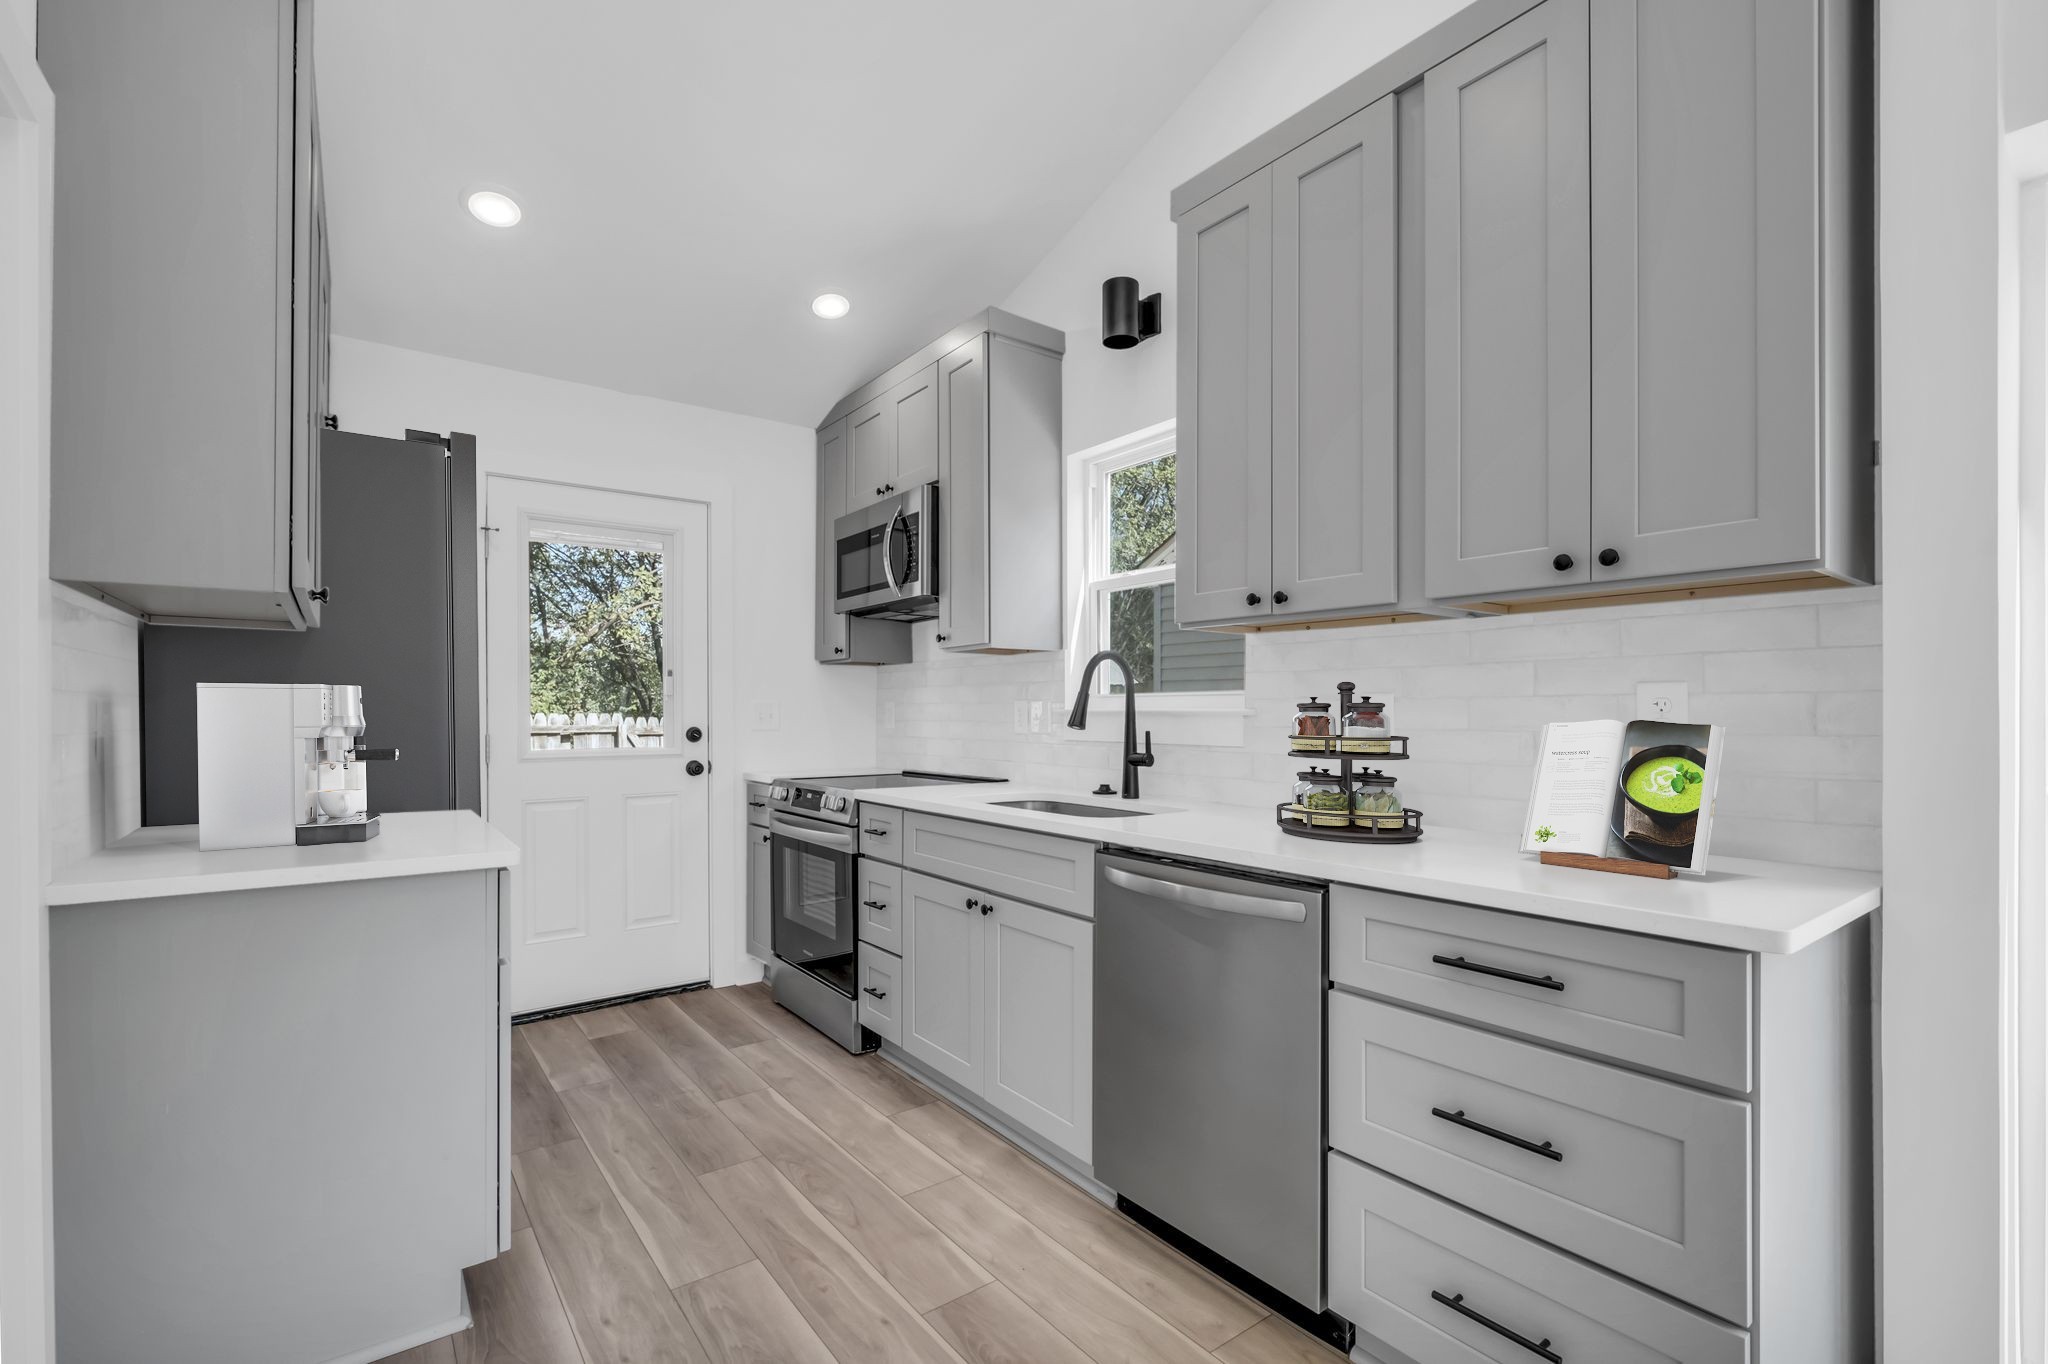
(694, 173)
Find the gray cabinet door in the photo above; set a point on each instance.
(1335, 454)
(1224, 520)
(832, 640)
(1507, 301)
(759, 876)
(894, 440)
(309, 288)
(943, 966)
(962, 388)
(1039, 999)
(916, 401)
(1706, 322)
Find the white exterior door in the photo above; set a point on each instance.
(597, 634)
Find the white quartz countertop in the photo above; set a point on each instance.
(167, 861)
(1753, 906)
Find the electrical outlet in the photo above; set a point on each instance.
(1038, 725)
(767, 715)
(1663, 701)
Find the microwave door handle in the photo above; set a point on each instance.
(889, 551)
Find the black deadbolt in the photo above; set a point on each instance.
(694, 734)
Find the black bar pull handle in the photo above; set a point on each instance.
(1540, 1348)
(1546, 982)
(875, 904)
(871, 990)
(1544, 1149)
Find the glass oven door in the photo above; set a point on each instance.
(811, 890)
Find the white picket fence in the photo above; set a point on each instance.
(587, 729)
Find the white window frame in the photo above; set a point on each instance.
(1087, 507)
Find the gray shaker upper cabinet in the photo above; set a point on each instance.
(1224, 401)
(999, 497)
(1335, 378)
(1507, 300)
(1710, 235)
(895, 440)
(840, 638)
(188, 375)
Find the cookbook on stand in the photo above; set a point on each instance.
(1638, 790)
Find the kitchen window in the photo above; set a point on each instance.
(1125, 506)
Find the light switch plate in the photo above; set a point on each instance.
(767, 715)
(1663, 701)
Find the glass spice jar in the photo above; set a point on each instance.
(1312, 730)
(1376, 804)
(1320, 800)
(1365, 728)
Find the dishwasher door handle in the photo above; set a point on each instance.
(1201, 897)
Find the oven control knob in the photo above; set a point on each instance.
(835, 803)
(778, 793)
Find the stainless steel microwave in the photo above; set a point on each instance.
(887, 557)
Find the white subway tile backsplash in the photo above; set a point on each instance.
(1794, 677)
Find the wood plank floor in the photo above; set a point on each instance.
(702, 1177)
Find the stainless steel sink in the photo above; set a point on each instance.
(1069, 807)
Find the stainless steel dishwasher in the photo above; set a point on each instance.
(1209, 992)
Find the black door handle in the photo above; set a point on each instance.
(1546, 982)
(1562, 563)
(1609, 558)
(695, 768)
(1456, 1302)
(1546, 1150)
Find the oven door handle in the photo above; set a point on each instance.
(836, 839)
(889, 551)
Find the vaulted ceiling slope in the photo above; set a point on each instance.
(693, 173)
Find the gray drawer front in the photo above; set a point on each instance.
(757, 803)
(878, 905)
(1058, 873)
(881, 833)
(1668, 1006)
(1653, 1180)
(881, 993)
(1392, 1246)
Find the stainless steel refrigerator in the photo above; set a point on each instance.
(398, 550)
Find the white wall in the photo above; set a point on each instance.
(1939, 1011)
(1295, 51)
(759, 478)
(1794, 678)
(94, 771)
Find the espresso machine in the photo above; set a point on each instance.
(283, 763)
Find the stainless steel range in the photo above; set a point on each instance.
(814, 828)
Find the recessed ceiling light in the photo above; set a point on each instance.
(493, 209)
(829, 306)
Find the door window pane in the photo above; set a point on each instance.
(595, 669)
(1163, 656)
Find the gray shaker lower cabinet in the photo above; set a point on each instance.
(276, 1118)
(998, 1001)
(1499, 1147)
(1508, 309)
(760, 881)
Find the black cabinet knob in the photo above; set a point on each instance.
(695, 768)
(318, 594)
(1562, 563)
(837, 650)
(694, 734)
(988, 907)
(1252, 599)
(1279, 599)
(942, 639)
(1609, 558)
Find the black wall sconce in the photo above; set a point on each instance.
(1126, 318)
